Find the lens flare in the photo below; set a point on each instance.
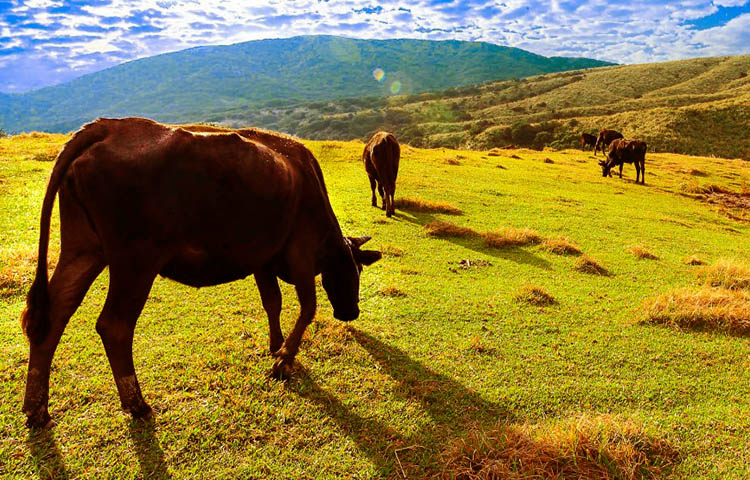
(395, 87)
(379, 74)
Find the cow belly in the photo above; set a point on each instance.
(202, 269)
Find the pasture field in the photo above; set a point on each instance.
(476, 354)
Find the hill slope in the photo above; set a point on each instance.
(698, 106)
(190, 84)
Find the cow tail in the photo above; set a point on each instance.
(35, 319)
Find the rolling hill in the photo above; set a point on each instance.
(193, 84)
(698, 106)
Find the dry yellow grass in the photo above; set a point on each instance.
(391, 291)
(583, 448)
(561, 246)
(511, 237)
(705, 309)
(693, 260)
(587, 264)
(727, 273)
(534, 295)
(425, 206)
(391, 251)
(642, 253)
(440, 228)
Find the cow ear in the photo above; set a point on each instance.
(601, 162)
(359, 241)
(367, 257)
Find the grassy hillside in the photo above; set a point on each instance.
(191, 84)
(503, 360)
(699, 106)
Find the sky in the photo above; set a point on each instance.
(44, 42)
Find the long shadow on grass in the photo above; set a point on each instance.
(48, 460)
(451, 406)
(511, 253)
(147, 449)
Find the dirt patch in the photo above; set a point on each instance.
(425, 206)
(393, 292)
(693, 260)
(451, 161)
(466, 264)
(585, 448)
(548, 160)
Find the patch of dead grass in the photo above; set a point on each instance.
(425, 206)
(727, 273)
(510, 236)
(705, 309)
(392, 251)
(561, 246)
(441, 229)
(588, 265)
(534, 295)
(641, 253)
(693, 260)
(393, 292)
(586, 448)
(17, 267)
(451, 161)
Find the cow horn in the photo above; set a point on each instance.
(601, 162)
(359, 241)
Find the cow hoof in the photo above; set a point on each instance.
(282, 369)
(141, 412)
(39, 420)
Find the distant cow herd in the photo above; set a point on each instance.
(203, 205)
(619, 152)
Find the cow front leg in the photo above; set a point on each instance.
(621, 165)
(116, 326)
(282, 368)
(270, 295)
(643, 173)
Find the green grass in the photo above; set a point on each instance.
(438, 351)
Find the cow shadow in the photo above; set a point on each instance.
(150, 455)
(452, 408)
(511, 253)
(47, 459)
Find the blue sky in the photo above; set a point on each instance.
(44, 42)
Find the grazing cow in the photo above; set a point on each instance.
(605, 138)
(381, 158)
(205, 208)
(623, 151)
(587, 140)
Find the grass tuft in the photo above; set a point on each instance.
(642, 253)
(511, 237)
(588, 265)
(393, 292)
(440, 228)
(451, 161)
(728, 274)
(561, 246)
(601, 447)
(17, 269)
(392, 251)
(425, 206)
(693, 260)
(534, 295)
(705, 309)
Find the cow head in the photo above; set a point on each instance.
(341, 276)
(605, 167)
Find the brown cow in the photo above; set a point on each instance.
(623, 151)
(605, 138)
(147, 199)
(381, 158)
(587, 140)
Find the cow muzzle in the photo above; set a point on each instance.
(346, 316)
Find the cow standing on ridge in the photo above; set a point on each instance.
(204, 208)
(605, 138)
(381, 157)
(623, 151)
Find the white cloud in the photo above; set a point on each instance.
(106, 33)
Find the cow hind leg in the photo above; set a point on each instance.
(71, 280)
(381, 190)
(127, 295)
(374, 200)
